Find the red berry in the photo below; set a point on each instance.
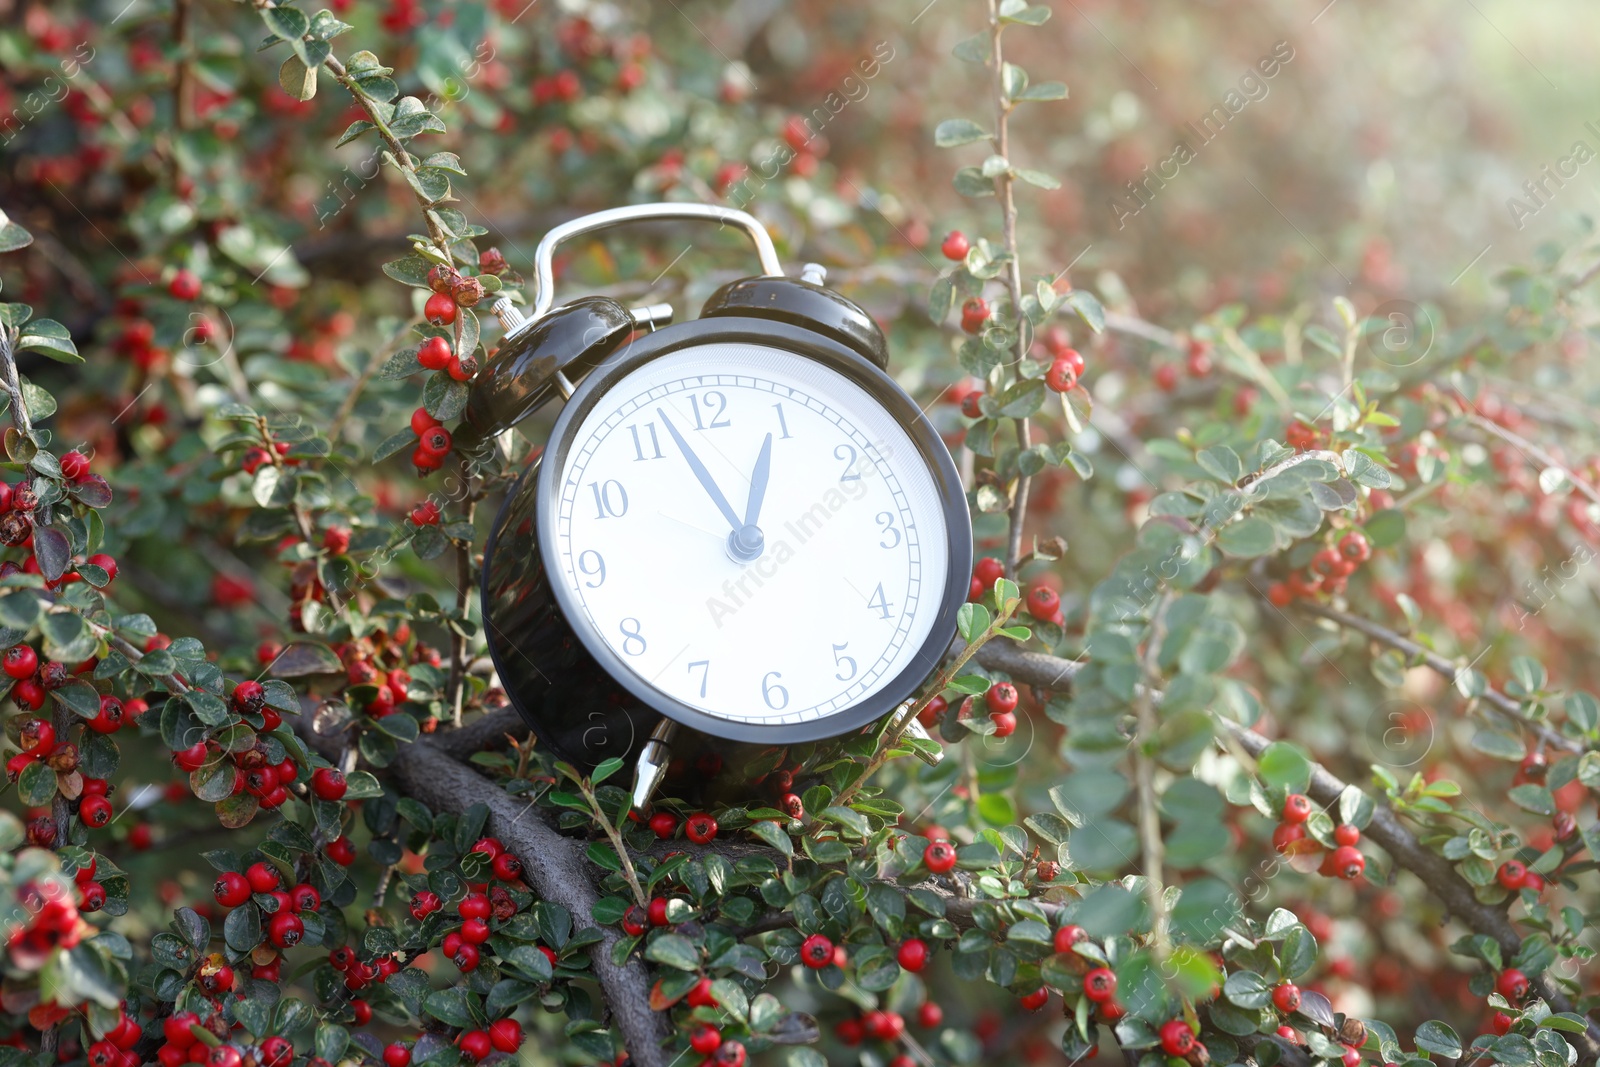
(424, 904)
(705, 1038)
(285, 929)
(664, 824)
(462, 370)
(792, 805)
(988, 570)
(1286, 997)
(74, 465)
(475, 1044)
(105, 563)
(1297, 808)
(341, 851)
(1351, 1057)
(185, 285)
(231, 889)
(1176, 1038)
(1061, 378)
(1198, 363)
(972, 404)
(263, 877)
(1499, 1022)
(1345, 834)
(700, 996)
(362, 1012)
(913, 954)
(434, 353)
(1355, 547)
(475, 906)
(1348, 862)
(929, 1015)
(396, 1055)
(192, 758)
(974, 313)
(955, 245)
(506, 867)
(422, 422)
(305, 898)
(657, 910)
(505, 1035)
(700, 828)
(1002, 696)
(940, 856)
(1512, 984)
(328, 783)
(94, 811)
(1100, 984)
(1043, 602)
(109, 719)
(466, 957)
(440, 309)
(816, 952)
(474, 931)
(1535, 882)
(21, 661)
(1005, 723)
(635, 921)
(1166, 377)
(1068, 936)
(425, 514)
(1037, 999)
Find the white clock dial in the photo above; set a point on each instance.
(752, 533)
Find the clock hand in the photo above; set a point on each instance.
(700, 472)
(758, 483)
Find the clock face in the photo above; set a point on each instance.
(750, 533)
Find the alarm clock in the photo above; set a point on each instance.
(740, 532)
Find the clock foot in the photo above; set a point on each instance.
(917, 730)
(651, 766)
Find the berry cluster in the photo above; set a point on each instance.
(1343, 860)
(1328, 573)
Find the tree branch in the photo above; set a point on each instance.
(554, 867)
(1506, 707)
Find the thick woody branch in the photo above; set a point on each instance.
(554, 867)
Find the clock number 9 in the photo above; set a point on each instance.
(886, 520)
(632, 637)
(776, 696)
(597, 570)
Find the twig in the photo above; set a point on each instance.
(13, 385)
(375, 364)
(1527, 447)
(1502, 704)
(1151, 846)
(1004, 194)
(640, 897)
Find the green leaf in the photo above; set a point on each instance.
(453, 1006)
(970, 181)
(1436, 1037)
(12, 236)
(51, 338)
(444, 397)
(1284, 766)
(1247, 989)
(286, 23)
(1534, 798)
(1044, 90)
(774, 835)
(673, 950)
(297, 79)
(409, 270)
(1088, 309)
(1248, 538)
(1038, 178)
(953, 132)
(1222, 463)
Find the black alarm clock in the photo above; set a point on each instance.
(741, 531)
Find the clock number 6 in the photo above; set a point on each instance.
(886, 520)
(841, 661)
(776, 696)
(632, 637)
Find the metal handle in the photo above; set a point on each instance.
(543, 266)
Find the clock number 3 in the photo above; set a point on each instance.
(632, 640)
(886, 520)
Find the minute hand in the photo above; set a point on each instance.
(701, 473)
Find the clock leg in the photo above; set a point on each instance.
(651, 766)
(917, 730)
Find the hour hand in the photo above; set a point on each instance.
(758, 483)
(704, 476)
